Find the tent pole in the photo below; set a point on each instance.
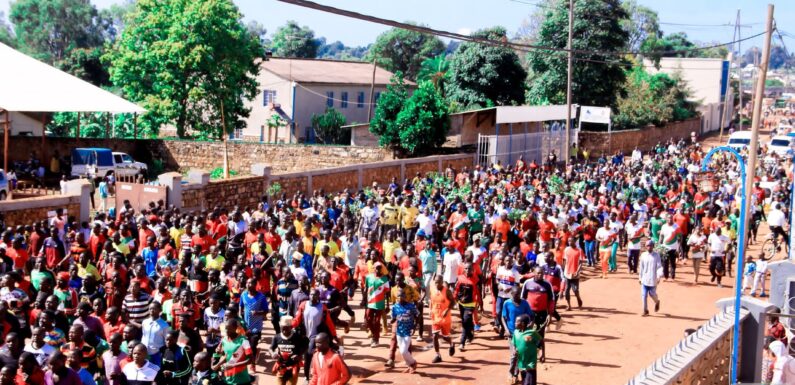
(107, 125)
(135, 125)
(77, 132)
(43, 135)
(5, 140)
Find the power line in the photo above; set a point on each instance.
(708, 25)
(499, 43)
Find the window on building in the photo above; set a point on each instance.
(330, 98)
(238, 134)
(344, 103)
(377, 96)
(268, 97)
(360, 100)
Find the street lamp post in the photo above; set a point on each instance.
(740, 255)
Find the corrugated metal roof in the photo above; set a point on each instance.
(327, 71)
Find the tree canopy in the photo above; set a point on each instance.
(292, 40)
(599, 25)
(482, 75)
(435, 70)
(327, 127)
(423, 122)
(389, 104)
(652, 99)
(182, 60)
(404, 50)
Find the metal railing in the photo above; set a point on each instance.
(28, 189)
(531, 146)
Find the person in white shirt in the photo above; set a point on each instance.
(698, 247)
(635, 233)
(776, 219)
(717, 248)
(637, 156)
(649, 268)
(759, 276)
(452, 259)
(669, 239)
(426, 221)
(369, 219)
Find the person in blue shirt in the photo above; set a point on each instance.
(254, 306)
(149, 253)
(404, 316)
(511, 310)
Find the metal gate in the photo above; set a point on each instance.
(506, 149)
(140, 195)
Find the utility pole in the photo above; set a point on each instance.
(740, 71)
(372, 95)
(226, 148)
(567, 148)
(750, 166)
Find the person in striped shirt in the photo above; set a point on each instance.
(136, 304)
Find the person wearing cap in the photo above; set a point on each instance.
(649, 273)
(286, 349)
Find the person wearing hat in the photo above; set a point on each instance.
(649, 273)
(287, 348)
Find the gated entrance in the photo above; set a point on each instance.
(140, 195)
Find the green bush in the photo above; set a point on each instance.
(218, 173)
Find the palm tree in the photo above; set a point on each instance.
(436, 70)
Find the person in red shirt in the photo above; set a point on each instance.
(682, 220)
(96, 241)
(272, 237)
(17, 254)
(202, 239)
(250, 238)
(501, 227)
(144, 233)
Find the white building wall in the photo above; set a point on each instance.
(256, 126)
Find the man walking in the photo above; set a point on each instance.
(648, 275)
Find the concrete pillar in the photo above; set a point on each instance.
(263, 170)
(752, 336)
(172, 180)
(309, 189)
(81, 188)
(402, 171)
(200, 177)
(782, 277)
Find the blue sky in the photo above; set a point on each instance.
(468, 15)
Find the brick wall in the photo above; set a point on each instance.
(25, 211)
(243, 192)
(644, 138)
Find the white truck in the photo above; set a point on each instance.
(100, 162)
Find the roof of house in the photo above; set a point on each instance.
(327, 71)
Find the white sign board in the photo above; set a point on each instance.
(592, 114)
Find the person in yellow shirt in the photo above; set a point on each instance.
(390, 245)
(176, 234)
(214, 260)
(333, 247)
(389, 217)
(408, 220)
(85, 268)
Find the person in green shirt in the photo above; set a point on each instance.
(655, 224)
(476, 218)
(377, 285)
(237, 355)
(526, 342)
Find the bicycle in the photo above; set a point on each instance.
(771, 246)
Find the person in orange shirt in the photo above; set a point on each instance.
(546, 229)
(501, 227)
(328, 367)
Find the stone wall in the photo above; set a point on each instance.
(25, 211)
(701, 358)
(183, 155)
(644, 138)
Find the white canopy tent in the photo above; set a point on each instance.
(28, 85)
(32, 86)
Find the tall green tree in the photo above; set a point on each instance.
(6, 36)
(652, 99)
(389, 105)
(328, 125)
(483, 75)
(598, 27)
(50, 29)
(424, 120)
(641, 25)
(259, 32)
(292, 40)
(183, 60)
(404, 50)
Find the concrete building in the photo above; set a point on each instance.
(707, 80)
(295, 89)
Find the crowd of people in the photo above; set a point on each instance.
(155, 295)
